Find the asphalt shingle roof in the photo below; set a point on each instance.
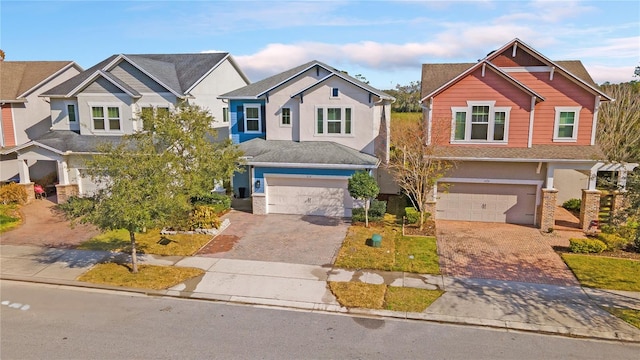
(65, 140)
(258, 88)
(307, 152)
(17, 77)
(177, 71)
(534, 153)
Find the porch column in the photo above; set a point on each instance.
(618, 203)
(63, 173)
(23, 170)
(548, 209)
(589, 209)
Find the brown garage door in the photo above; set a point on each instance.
(505, 203)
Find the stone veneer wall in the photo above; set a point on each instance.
(618, 202)
(431, 209)
(547, 209)
(589, 208)
(259, 202)
(64, 192)
(31, 194)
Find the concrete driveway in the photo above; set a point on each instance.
(297, 239)
(500, 251)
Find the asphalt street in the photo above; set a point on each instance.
(44, 321)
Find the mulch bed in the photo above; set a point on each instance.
(429, 229)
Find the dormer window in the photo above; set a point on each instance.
(335, 92)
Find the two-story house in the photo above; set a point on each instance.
(25, 115)
(521, 129)
(110, 99)
(304, 132)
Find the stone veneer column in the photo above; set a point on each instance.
(547, 213)
(64, 192)
(431, 209)
(589, 208)
(28, 187)
(618, 202)
(259, 202)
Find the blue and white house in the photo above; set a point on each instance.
(304, 132)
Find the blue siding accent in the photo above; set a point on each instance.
(242, 180)
(259, 174)
(236, 121)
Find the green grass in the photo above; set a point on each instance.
(410, 299)
(149, 242)
(380, 296)
(9, 217)
(394, 253)
(629, 315)
(605, 273)
(148, 276)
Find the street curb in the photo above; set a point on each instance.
(328, 308)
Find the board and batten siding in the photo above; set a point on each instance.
(475, 87)
(8, 130)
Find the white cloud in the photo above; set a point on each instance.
(618, 48)
(614, 75)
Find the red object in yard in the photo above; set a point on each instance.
(40, 193)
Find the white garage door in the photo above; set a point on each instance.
(515, 204)
(308, 196)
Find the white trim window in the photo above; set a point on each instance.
(335, 93)
(332, 120)
(565, 128)
(480, 122)
(106, 118)
(225, 114)
(285, 117)
(252, 118)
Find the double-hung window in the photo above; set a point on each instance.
(252, 118)
(225, 114)
(105, 118)
(480, 122)
(71, 110)
(285, 117)
(333, 121)
(147, 114)
(566, 123)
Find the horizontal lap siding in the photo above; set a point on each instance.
(522, 58)
(491, 87)
(558, 92)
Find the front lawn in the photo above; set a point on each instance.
(151, 242)
(629, 315)
(9, 217)
(148, 276)
(373, 296)
(396, 253)
(605, 273)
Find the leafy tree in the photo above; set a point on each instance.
(363, 186)
(414, 164)
(407, 97)
(619, 123)
(148, 179)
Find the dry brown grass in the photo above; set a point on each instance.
(148, 276)
(359, 295)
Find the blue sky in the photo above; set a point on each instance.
(385, 41)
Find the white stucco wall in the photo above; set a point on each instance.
(569, 184)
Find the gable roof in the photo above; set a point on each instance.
(317, 154)
(437, 77)
(262, 87)
(178, 73)
(19, 78)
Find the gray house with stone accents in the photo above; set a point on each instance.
(521, 129)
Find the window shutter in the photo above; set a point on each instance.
(263, 113)
(240, 117)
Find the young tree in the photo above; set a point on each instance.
(619, 123)
(363, 186)
(147, 180)
(414, 165)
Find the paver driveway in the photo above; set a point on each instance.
(312, 240)
(499, 251)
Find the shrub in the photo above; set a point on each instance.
(76, 206)
(13, 194)
(572, 204)
(203, 217)
(613, 241)
(413, 215)
(222, 201)
(586, 246)
(376, 212)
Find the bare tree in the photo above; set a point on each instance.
(414, 165)
(619, 123)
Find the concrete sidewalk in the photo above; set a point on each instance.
(565, 310)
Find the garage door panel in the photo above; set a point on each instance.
(509, 203)
(308, 196)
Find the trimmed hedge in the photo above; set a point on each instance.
(376, 212)
(413, 215)
(221, 201)
(586, 246)
(613, 241)
(572, 204)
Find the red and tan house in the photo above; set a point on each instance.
(521, 129)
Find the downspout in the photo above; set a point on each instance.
(596, 108)
(531, 118)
